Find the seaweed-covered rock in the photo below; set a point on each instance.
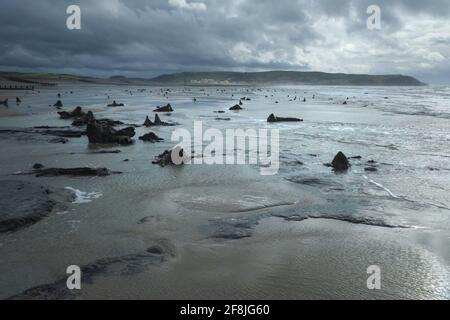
(167, 108)
(272, 118)
(119, 266)
(236, 108)
(25, 203)
(157, 122)
(76, 113)
(101, 133)
(74, 172)
(115, 104)
(151, 137)
(167, 157)
(127, 132)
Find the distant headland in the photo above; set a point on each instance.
(222, 79)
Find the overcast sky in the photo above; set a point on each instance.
(145, 38)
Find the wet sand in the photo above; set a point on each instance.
(226, 232)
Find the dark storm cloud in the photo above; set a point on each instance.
(145, 38)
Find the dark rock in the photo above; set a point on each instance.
(151, 137)
(158, 122)
(82, 119)
(222, 119)
(115, 104)
(112, 123)
(155, 250)
(127, 132)
(107, 152)
(18, 100)
(167, 108)
(63, 133)
(236, 108)
(4, 102)
(371, 169)
(25, 133)
(101, 133)
(165, 158)
(345, 102)
(273, 118)
(356, 157)
(122, 266)
(38, 166)
(340, 162)
(74, 172)
(148, 122)
(233, 228)
(220, 111)
(24, 203)
(76, 113)
(58, 104)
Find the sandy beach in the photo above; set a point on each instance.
(225, 231)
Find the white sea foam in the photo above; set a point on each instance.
(379, 185)
(84, 197)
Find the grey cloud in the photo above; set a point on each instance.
(146, 38)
